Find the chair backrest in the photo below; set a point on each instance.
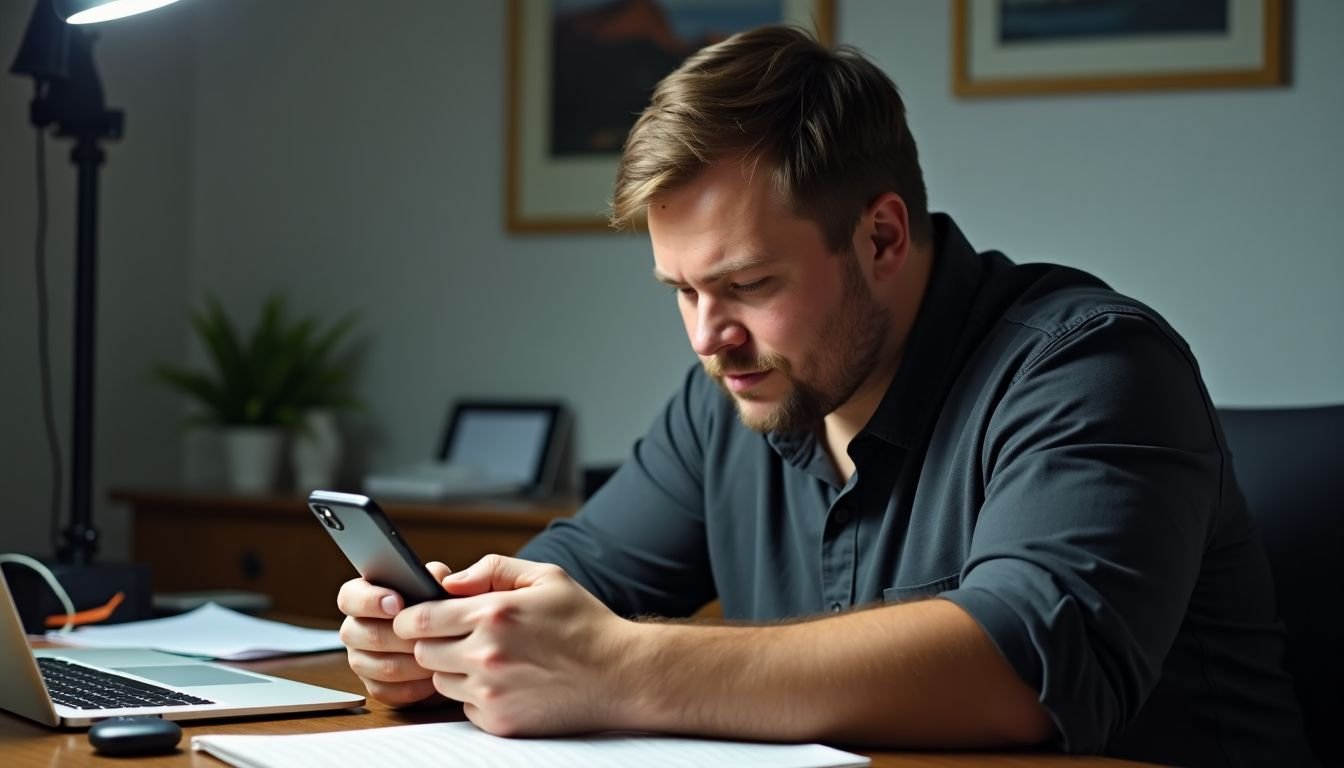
(1289, 463)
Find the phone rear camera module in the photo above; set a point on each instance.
(329, 518)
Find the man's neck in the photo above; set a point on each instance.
(842, 425)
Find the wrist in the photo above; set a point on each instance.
(639, 671)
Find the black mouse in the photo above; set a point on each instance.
(135, 736)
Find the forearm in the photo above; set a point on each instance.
(920, 675)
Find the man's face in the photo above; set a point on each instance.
(788, 328)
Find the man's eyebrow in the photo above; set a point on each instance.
(719, 272)
(666, 279)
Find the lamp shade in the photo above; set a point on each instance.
(44, 52)
(93, 11)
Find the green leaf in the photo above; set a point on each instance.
(284, 367)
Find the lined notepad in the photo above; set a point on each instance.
(463, 745)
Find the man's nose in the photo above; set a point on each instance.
(715, 330)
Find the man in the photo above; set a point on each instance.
(961, 503)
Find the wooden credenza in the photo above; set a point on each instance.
(273, 544)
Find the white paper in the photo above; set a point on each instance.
(463, 745)
(211, 631)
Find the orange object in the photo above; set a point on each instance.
(91, 616)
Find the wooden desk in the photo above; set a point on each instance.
(24, 744)
(272, 544)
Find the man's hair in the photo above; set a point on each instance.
(829, 125)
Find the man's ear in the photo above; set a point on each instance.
(888, 229)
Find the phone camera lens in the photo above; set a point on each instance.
(329, 518)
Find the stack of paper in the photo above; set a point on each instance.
(463, 745)
(211, 632)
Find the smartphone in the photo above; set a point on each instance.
(372, 545)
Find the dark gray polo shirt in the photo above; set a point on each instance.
(1046, 457)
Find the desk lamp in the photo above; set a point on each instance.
(68, 95)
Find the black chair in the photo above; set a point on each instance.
(1290, 465)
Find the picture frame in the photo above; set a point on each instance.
(522, 441)
(1003, 47)
(564, 133)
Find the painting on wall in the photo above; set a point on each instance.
(1048, 46)
(580, 73)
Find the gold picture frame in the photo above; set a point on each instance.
(555, 182)
(1002, 47)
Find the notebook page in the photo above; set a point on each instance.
(463, 745)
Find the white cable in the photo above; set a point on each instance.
(55, 585)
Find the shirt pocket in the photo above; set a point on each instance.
(916, 591)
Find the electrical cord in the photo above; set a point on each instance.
(43, 341)
(52, 582)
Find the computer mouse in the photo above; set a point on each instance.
(135, 736)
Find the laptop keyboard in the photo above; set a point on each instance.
(81, 687)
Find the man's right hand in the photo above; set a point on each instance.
(382, 660)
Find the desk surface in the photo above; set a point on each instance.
(24, 744)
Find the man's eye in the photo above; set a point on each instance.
(686, 291)
(751, 287)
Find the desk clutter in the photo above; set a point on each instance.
(209, 632)
(466, 746)
(518, 449)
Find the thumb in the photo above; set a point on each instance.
(438, 570)
(494, 573)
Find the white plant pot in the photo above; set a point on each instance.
(315, 452)
(253, 457)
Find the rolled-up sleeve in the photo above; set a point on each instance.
(639, 544)
(1102, 479)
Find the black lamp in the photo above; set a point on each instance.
(68, 95)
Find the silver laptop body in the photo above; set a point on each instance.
(228, 691)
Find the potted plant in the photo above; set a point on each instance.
(261, 387)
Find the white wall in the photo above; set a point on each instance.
(356, 161)
(146, 71)
(1219, 208)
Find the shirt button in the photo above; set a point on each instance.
(836, 607)
(842, 516)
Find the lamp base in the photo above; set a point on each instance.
(90, 586)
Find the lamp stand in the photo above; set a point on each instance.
(72, 101)
(80, 537)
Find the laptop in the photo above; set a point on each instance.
(78, 687)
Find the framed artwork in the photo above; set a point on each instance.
(581, 71)
(1048, 46)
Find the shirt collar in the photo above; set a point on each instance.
(917, 390)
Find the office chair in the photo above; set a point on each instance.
(1290, 465)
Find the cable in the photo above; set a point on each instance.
(55, 585)
(43, 342)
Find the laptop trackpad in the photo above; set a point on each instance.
(193, 674)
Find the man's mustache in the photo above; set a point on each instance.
(730, 365)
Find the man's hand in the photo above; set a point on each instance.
(526, 649)
(382, 660)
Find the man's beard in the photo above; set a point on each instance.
(846, 350)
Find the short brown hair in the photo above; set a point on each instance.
(829, 124)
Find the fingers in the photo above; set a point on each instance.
(452, 685)
(438, 619)
(362, 599)
(373, 635)
(386, 667)
(401, 694)
(438, 570)
(385, 662)
(494, 573)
